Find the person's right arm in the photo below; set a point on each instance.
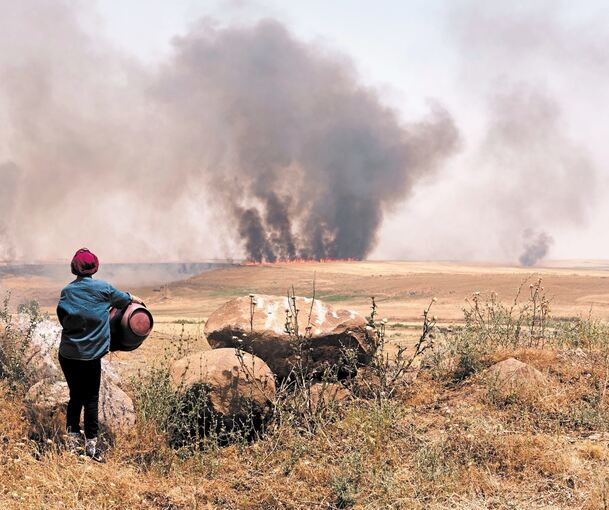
(136, 299)
(120, 299)
(117, 298)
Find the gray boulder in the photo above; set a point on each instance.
(116, 410)
(41, 350)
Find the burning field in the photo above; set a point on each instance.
(321, 355)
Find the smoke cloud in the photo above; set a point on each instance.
(9, 180)
(292, 156)
(539, 177)
(247, 142)
(311, 160)
(536, 247)
(533, 173)
(532, 158)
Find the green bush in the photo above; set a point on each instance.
(15, 342)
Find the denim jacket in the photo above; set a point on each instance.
(83, 312)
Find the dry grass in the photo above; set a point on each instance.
(449, 441)
(439, 446)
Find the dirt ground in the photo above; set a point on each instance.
(402, 289)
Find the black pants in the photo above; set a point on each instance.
(83, 378)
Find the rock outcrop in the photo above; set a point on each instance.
(43, 339)
(48, 401)
(237, 385)
(49, 395)
(261, 330)
(116, 410)
(510, 375)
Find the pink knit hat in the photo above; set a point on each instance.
(84, 263)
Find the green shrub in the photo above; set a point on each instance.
(15, 342)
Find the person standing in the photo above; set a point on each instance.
(83, 312)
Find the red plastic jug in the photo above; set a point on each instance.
(129, 327)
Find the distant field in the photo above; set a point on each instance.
(402, 290)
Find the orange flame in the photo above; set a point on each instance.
(294, 261)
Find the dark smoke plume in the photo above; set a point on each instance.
(294, 155)
(536, 247)
(310, 159)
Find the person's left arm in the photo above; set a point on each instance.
(61, 311)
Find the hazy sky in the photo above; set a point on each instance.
(525, 82)
(460, 54)
(399, 46)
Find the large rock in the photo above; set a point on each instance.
(48, 398)
(510, 376)
(44, 337)
(116, 410)
(41, 354)
(48, 401)
(329, 333)
(236, 384)
(48, 395)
